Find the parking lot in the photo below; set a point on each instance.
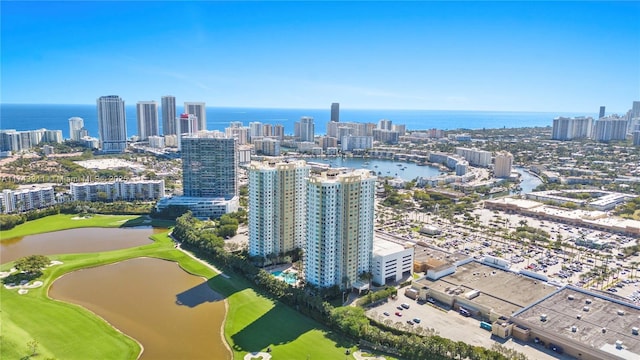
(449, 324)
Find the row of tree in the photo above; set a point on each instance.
(313, 302)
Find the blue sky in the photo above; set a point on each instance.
(511, 56)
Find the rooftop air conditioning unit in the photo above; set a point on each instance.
(543, 317)
(620, 312)
(574, 328)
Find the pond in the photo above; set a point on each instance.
(173, 314)
(73, 241)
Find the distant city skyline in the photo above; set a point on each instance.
(483, 56)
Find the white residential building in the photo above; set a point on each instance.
(118, 190)
(390, 261)
(277, 206)
(147, 116)
(475, 157)
(198, 109)
(339, 242)
(25, 199)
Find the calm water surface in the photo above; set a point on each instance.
(84, 240)
(405, 170)
(174, 315)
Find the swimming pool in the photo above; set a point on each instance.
(289, 278)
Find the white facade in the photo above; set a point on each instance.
(305, 129)
(118, 190)
(169, 115)
(277, 207)
(198, 109)
(76, 124)
(202, 208)
(112, 124)
(503, 164)
(340, 212)
(156, 142)
(26, 199)
(572, 128)
(610, 128)
(350, 143)
(475, 157)
(390, 261)
(147, 112)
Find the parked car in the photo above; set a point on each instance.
(409, 322)
(386, 313)
(405, 305)
(398, 313)
(417, 320)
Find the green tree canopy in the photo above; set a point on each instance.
(32, 264)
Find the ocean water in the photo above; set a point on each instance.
(55, 117)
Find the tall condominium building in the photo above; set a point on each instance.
(76, 127)
(112, 124)
(278, 131)
(277, 207)
(168, 104)
(610, 128)
(186, 124)
(503, 164)
(385, 124)
(198, 109)
(636, 137)
(601, 114)
(255, 129)
(209, 165)
(335, 112)
(339, 241)
(635, 109)
(236, 130)
(147, 112)
(304, 129)
(572, 128)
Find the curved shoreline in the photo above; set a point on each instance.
(216, 294)
(92, 312)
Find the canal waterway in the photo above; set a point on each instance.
(528, 181)
(173, 314)
(73, 241)
(401, 169)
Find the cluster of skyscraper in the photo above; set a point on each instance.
(328, 214)
(112, 126)
(605, 128)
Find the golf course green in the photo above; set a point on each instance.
(66, 331)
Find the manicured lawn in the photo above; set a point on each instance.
(66, 331)
(64, 222)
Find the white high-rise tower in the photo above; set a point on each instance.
(198, 109)
(169, 115)
(147, 112)
(76, 125)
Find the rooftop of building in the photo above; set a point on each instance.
(384, 247)
(435, 257)
(503, 291)
(599, 320)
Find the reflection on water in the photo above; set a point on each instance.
(84, 240)
(174, 315)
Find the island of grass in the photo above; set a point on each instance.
(67, 331)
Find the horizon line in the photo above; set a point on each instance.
(329, 108)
